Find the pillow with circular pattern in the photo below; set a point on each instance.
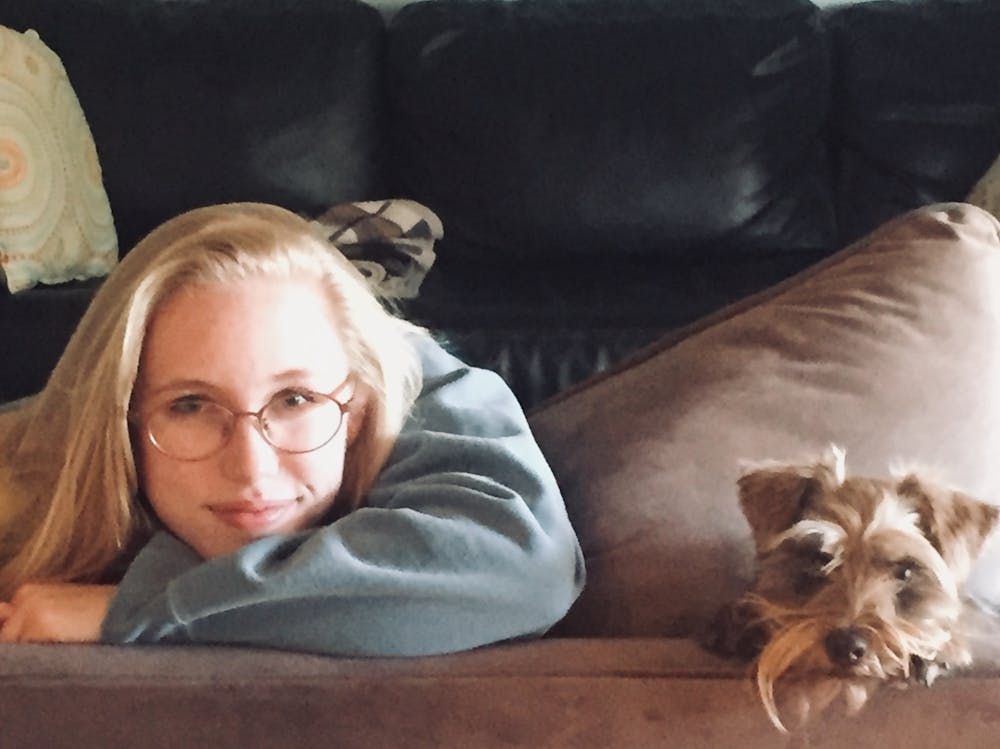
(55, 219)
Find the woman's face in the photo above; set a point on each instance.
(240, 345)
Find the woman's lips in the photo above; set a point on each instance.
(252, 517)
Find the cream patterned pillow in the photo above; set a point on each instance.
(55, 219)
(986, 192)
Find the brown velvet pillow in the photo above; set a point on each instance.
(890, 348)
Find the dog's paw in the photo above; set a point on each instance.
(736, 632)
(926, 672)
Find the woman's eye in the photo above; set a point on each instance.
(189, 405)
(293, 400)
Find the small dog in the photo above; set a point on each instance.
(859, 583)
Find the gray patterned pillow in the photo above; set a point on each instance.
(390, 241)
(986, 192)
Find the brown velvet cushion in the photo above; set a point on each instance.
(633, 693)
(890, 348)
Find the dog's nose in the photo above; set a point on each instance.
(846, 646)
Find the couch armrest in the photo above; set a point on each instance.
(549, 693)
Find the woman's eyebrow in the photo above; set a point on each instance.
(293, 374)
(195, 385)
(179, 385)
(311, 376)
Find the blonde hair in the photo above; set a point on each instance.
(73, 468)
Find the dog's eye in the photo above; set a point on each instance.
(812, 574)
(904, 569)
(808, 582)
(808, 552)
(908, 593)
(822, 558)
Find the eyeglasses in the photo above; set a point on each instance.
(193, 427)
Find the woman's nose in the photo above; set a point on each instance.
(248, 454)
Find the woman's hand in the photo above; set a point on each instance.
(55, 612)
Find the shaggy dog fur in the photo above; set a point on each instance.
(859, 583)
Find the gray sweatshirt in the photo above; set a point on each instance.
(463, 541)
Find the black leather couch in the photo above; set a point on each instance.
(604, 170)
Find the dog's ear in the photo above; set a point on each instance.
(774, 497)
(955, 523)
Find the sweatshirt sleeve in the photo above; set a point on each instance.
(464, 541)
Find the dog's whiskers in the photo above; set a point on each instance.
(787, 646)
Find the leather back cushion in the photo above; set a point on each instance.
(916, 104)
(888, 348)
(192, 103)
(581, 127)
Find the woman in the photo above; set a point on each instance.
(240, 445)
